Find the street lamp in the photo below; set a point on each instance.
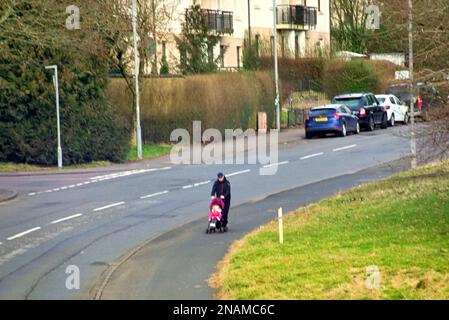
(136, 71)
(276, 69)
(412, 88)
(56, 84)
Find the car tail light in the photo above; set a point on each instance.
(337, 116)
(420, 103)
(362, 112)
(387, 107)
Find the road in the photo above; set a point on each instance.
(93, 221)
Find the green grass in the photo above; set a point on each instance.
(400, 225)
(149, 151)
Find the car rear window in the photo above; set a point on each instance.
(322, 112)
(351, 103)
(381, 100)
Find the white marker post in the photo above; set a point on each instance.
(281, 227)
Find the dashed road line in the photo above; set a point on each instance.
(19, 235)
(155, 194)
(109, 206)
(312, 156)
(238, 173)
(345, 148)
(276, 164)
(190, 186)
(67, 218)
(201, 183)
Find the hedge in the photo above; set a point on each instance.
(220, 100)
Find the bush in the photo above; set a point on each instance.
(90, 131)
(221, 101)
(350, 76)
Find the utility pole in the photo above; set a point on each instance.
(276, 69)
(249, 24)
(136, 76)
(56, 84)
(412, 86)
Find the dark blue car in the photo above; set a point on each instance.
(335, 118)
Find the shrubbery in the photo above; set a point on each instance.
(90, 130)
(221, 101)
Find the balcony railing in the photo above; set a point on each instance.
(296, 17)
(220, 21)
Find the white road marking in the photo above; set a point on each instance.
(19, 235)
(155, 194)
(312, 156)
(56, 189)
(63, 188)
(276, 164)
(32, 194)
(345, 148)
(201, 183)
(188, 187)
(79, 184)
(237, 173)
(67, 218)
(49, 191)
(87, 182)
(109, 206)
(72, 186)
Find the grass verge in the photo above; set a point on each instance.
(400, 225)
(148, 152)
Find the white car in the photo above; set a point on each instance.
(396, 110)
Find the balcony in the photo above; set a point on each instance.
(219, 21)
(296, 17)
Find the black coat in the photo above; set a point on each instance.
(222, 189)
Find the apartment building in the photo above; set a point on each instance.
(303, 27)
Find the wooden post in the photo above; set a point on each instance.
(281, 227)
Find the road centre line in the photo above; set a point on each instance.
(155, 194)
(345, 148)
(276, 164)
(312, 156)
(109, 206)
(67, 218)
(238, 173)
(201, 183)
(19, 235)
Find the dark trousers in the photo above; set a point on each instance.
(226, 212)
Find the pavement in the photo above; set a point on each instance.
(6, 195)
(94, 221)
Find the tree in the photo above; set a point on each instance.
(348, 26)
(197, 42)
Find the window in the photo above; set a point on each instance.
(392, 100)
(319, 5)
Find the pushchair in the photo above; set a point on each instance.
(215, 216)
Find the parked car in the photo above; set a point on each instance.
(424, 95)
(366, 107)
(335, 118)
(396, 110)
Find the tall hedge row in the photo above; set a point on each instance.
(220, 100)
(90, 130)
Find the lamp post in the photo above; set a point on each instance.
(276, 69)
(136, 76)
(412, 88)
(56, 84)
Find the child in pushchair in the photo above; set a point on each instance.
(216, 207)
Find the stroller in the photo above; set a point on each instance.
(216, 207)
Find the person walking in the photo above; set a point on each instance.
(222, 189)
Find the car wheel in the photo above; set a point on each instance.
(343, 130)
(357, 128)
(392, 121)
(384, 124)
(371, 124)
